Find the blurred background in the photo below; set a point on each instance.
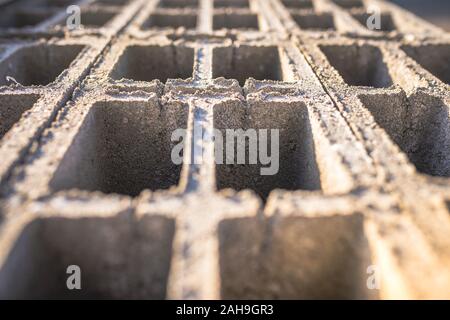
(435, 11)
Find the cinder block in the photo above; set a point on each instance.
(91, 119)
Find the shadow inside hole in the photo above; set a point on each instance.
(147, 63)
(23, 18)
(429, 135)
(119, 258)
(434, 58)
(93, 19)
(38, 65)
(298, 4)
(162, 20)
(243, 62)
(349, 4)
(178, 4)
(51, 3)
(292, 164)
(12, 108)
(359, 65)
(231, 4)
(324, 21)
(235, 21)
(294, 258)
(419, 124)
(387, 23)
(123, 147)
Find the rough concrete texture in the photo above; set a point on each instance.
(86, 177)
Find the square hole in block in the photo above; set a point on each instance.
(387, 23)
(324, 21)
(435, 58)
(231, 4)
(276, 141)
(390, 111)
(113, 2)
(42, 4)
(295, 258)
(420, 125)
(23, 18)
(95, 19)
(298, 4)
(11, 109)
(173, 20)
(179, 3)
(429, 135)
(39, 64)
(119, 257)
(243, 62)
(349, 4)
(235, 21)
(147, 63)
(359, 65)
(123, 147)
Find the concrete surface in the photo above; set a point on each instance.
(86, 177)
